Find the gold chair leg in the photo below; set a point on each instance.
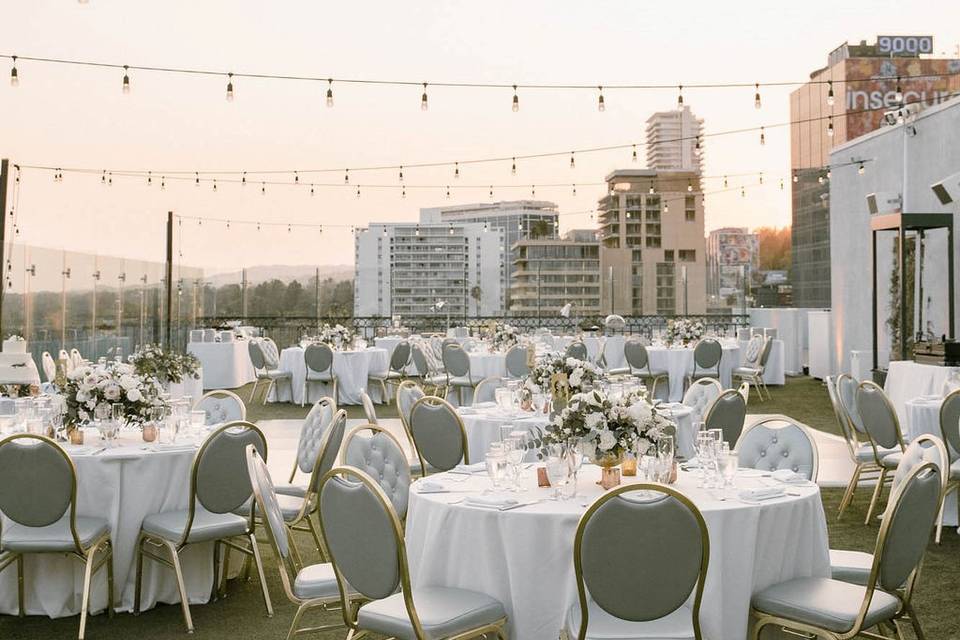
(263, 579)
(296, 621)
(876, 495)
(181, 585)
(109, 561)
(139, 576)
(915, 623)
(316, 536)
(226, 571)
(253, 392)
(950, 489)
(215, 587)
(270, 386)
(85, 597)
(851, 490)
(21, 610)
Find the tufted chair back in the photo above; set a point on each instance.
(407, 393)
(950, 423)
(727, 412)
(455, 360)
(368, 409)
(516, 361)
(266, 497)
(924, 448)
(878, 415)
(438, 433)
(271, 354)
(577, 349)
(636, 354)
(377, 453)
(751, 356)
(701, 394)
(256, 355)
(311, 434)
(329, 450)
(775, 443)
(765, 354)
(847, 394)
(221, 406)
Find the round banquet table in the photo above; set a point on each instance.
(352, 369)
(678, 363)
(483, 364)
(923, 417)
(483, 426)
(682, 416)
(123, 484)
(524, 557)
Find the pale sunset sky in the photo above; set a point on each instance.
(78, 117)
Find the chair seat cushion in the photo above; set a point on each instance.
(891, 460)
(823, 602)
(275, 374)
(298, 490)
(206, 526)
(865, 453)
(321, 376)
(388, 375)
(850, 566)
(443, 612)
(652, 373)
(53, 537)
(316, 581)
(462, 381)
(746, 371)
(602, 625)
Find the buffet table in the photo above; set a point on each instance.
(226, 365)
(352, 369)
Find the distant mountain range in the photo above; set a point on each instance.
(285, 273)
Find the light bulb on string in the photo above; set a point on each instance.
(573, 163)
(761, 177)
(329, 92)
(230, 87)
(450, 230)
(163, 183)
(533, 191)
(126, 79)
(149, 178)
(491, 191)
(516, 100)
(696, 146)
(829, 174)
(830, 126)
(743, 192)
(358, 191)
(448, 192)
(830, 98)
(520, 225)
(110, 179)
(796, 177)
(103, 177)
(763, 136)
(423, 99)
(296, 178)
(860, 169)
(14, 76)
(263, 188)
(288, 228)
(214, 185)
(652, 190)
(228, 225)
(258, 226)
(311, 188)
(898, 94)
(513, 167)
(403, 192)
(820, 178)
(666, 207)
(243, 180)
(600, 105)
(401, 173)
(574, 189)
(417, 231)
(346, 176)
(456, 170)
(756, 96)
(633, 156)
(781, 184)
(680, 96)
(725, 183)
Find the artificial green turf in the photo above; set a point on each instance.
(241, 614)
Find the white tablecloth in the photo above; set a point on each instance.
(483, 427)
(482, 365)
(907, 379)
(352, 369)
(524, 557)
(774, 373)
(923, 416)
(18, 368)
(226, 365)
(192, 387)
(678, 362)
(682, 415)
(124, 485)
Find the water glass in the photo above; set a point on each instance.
(198, 419)
(116, 412)
(558, 470)
(496, 465)
(729, 466)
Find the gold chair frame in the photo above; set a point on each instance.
(434, 400)
(885, 474)
(951, 485)
(861, 470)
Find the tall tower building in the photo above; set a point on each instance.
(672, 141)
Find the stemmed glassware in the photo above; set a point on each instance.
(558, 469)
(496, 464)
(729, 466)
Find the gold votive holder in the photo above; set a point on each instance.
(149, 432)
(629, 466)
(76, 436)
(610, 477)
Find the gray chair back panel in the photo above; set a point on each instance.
(751, 356)
(406, 397)
(318, 357)
(838, 411)
(878, 415)
(369, 411)
(436, 434)
(771, 448)
(636, 354)
(923, 449)
(419, 360)
(381, 458)
(912, 514)
(223, 484)
(312, 432)
(765, 354)
(270, 509)
(36, 481)
(707, 354)
(950, 422)
(360, 537)
(455, 360)
(486, 391)
(271, 354)
(256, 355)
(400, 356)
(728, 412)
(329, 449)
(847, 392)
(577, 350)
(516, 361)
(641, 558)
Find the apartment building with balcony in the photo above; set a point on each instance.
(550, 273)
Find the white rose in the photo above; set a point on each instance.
(128, 382)
(593, 420)
(134, 395)
(640, 411)
(607, 440)
(111, 391)
(576, 377)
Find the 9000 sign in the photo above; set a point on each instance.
(905, 44)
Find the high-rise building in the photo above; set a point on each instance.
(844, 100)
(652, 253)
(674, 140)
(550, 273)
(516, 219)
(406, 268)
(733, 256)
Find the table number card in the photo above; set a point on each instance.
(531, 356)
(559, 388)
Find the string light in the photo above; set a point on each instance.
(829, 174)
(689, 186)
(724, 182)
(513, 167)
(796, 177)
(358, 191)
(456, 170)
(696, 146)
(573, 164)
(103, 177)
(763, 136)
(830, 99)
(311, 188)
(329, 92)
(574, 189)
(423, 98)
(14, 76)
(781, 184)
(516, 100)
(401, 174)
(830, 127)
(243, 180)
(214, 185)
(860, 169)
(448, 192)
(651, 190)
(633, 156)
(263, 188)
(680, 96)
(450, 230)
(296, 178)
(230, 87)
(403, 192)
(756, 96)
(743, 192)
(346, 176)
(491, 191)
(533, 191)
(761, 177)
(126, 80)
(666, 206)
(600, 105)
(149, 178)
(196, 179)
(820, 178)
(417, 231)
(163, 183)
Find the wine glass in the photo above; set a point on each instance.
(574, 459)
(496, 461)
(729, 466)
(558, 471)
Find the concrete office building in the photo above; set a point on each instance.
(862, 79)
(652, 250)
(516, 219)
(406, 268)
(672, 140)
(550, 273)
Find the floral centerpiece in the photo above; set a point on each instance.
(15, 344)
(580, 374)
(683, 331)
(91, 390)
(503, 336)
(166, 366)
(335, 335)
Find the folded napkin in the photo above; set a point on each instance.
(479, 467)
(78, 450)
(757, 494)
(788, 476)
(175, 447)
(431, 487)
(692, 463)
(752, 473)
(491, 502)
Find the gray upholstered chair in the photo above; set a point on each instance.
(727, 412)
(221, 406)
(309, 587)
(38, 496)
(854, 566)
(744, 390)
(219, 485)
(778, 443)
(635, 353)
(368, 409)
(706, 360)
(861, 455)
(950, 430)
(438, 434)
(397, 372)
(577, 349)
(319, 360)
(486, 390)
(752, 372)
(429, 376)
(837, 610)
(516, 362)
(379, 454)
(662, 532)
(375, 565)
(883, 428)
(407, 395)
(456, 361)
(847, 395)
(265, 367)
(312, 434)
(701, 395)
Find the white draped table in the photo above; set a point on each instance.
(123, 484)
(907, 379)
(352, 369)
(678, 363)
(774, 372)
(483, 426)
(923, 417)
(682, 415)
(226, 365)
(524, 557)
(483, 364)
